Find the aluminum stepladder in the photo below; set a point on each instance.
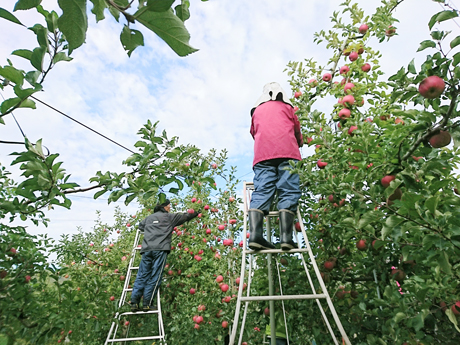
(247, 190)
(112, 336)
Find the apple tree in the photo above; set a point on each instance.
(381, 191)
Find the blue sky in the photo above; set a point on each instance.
(204, 98)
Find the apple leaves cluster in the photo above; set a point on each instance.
(398, 239)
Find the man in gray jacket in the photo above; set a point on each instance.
(157, 228)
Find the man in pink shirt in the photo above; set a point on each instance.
(277, 138)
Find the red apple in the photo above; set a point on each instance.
(313, 82)
(361, 245)
(351, 129)
(329, 265)
(432, 87)
(348, 101)
(231, 199)
(344, 69)
(353, 56)
(344, 113)
(201, 307)
(456, 308)
(297, 94)
(232, 221)
(385, 181)
(12, 252)
(122, 278)
(321, 164)
(224, 324)
(28, 279)
(192, 291)
(206, 207)
(366, 67)
(390, 31)
(443, 138)
(398, 275)
(348, 86)
(199, 319)
(224, 287)
(298, 227)
(214, 165)
(191, 210)
(219, 279)
(327, 77)
(197, 326)
(112, 298)
(363, 29)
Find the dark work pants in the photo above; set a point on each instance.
(149, 276)
(271, 176)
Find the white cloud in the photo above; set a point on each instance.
(204, 98)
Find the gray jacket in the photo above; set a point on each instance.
(158, 228)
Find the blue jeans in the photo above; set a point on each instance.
(270, 176)
(149, 276)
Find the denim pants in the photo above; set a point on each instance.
(149, 276)
(270, 176)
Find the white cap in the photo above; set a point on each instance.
(272, 92)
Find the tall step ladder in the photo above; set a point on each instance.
(248, 189)
(124, 299)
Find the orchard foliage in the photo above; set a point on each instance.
(406, 271)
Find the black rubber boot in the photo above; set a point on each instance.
(256, 229)
(286, 227)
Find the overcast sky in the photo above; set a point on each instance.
(203, 98)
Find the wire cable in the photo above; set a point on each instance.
(81, 124)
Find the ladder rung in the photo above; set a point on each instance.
(274, 251)
(131, 339)
(138, 313)
(134, 268)
(282, 298)
(128, 290)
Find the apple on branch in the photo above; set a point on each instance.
(432, 87)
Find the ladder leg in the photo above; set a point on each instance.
(243, 269)
(270, 289)
(246, 305)
(323, 287)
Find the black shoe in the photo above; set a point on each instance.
(256, 238)
(134, 307)
(147, 308)
(286, 227)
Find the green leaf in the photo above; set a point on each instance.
(26, 4)
(24, 93)
(446, 15)
(8, 104)
(32, 77)
(73, 23)
(24, 53)
(98, 9)
(452, 318)
(440, 17)
(456, 59)
(443, 261)
(411, 67)
(368, 218)
(399, 316)
(455, 42)
(61, 56)
(38, 55)
(426, 44)
(131, 39)
(432, 204)
(182, 11)
(12, 74)
(169, 27)
(8, 16)
(159, 5)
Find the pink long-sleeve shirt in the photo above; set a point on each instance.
(276, 132)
